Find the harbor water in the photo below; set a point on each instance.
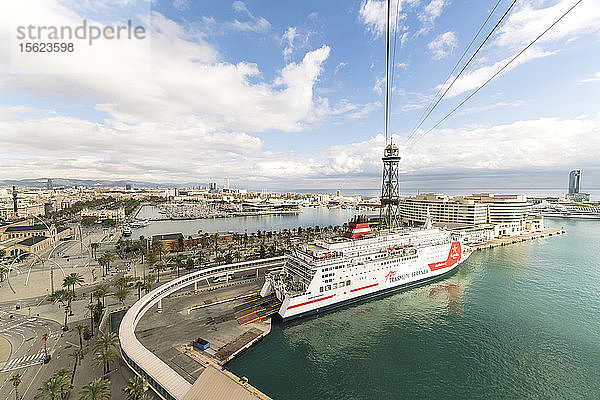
(308, 217)
(514, 322)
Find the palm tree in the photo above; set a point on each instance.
(104, 356)
(56, 387)
(121, 295)
(77, 356)
(135, 388)
(91, 307)
(157, 268)
(64, 297)
(71, 280)
(50, 389)
(109, 257)
(3, 271)
(123, 281)
(106, 341)
(79, 328)
(100, 292)
(62, 376)
(16, 381)
(45, 337)
(139, 285)
(98, 389)
(95, 247)
(158, 248)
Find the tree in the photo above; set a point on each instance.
(87, 334)
(65, 297)
(139, 285)
(109, 257)
(77, 356)
(91, 308)
(50, 389)
(100, 292)
(262, 251)
(56, 387)
(104, 356)
(3, 272)
(158, 268)
(98, 389)
(95, 247)
(135, 388)
(106, 341)
(71, 280)
(45, 337)
(148, 279)
(16, 381)
(123, 281)
(80, 328)
(121, 295)
(62, 376)
(158, 248)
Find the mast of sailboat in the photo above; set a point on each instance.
(390, 189)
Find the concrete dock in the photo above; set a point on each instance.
(518, 238)
(208, 315)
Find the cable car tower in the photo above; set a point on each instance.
(390, 188)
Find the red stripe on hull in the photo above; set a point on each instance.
(364, 287)
(310, 302)
(453, 258)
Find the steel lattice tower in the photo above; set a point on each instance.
(390, 189)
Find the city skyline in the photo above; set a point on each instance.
(291, 96)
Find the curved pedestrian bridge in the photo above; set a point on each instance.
(163, 379)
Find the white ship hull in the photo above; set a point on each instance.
(324, 275)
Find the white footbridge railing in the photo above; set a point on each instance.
(163, 379)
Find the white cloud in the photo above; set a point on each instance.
(525, 24)
(430, 13)
(339, 67)
(255, 24)
(185, 116)
(521, 28)
(545, 143)
(181, 5)
(288, 38)
(443, 45)
(594, 78)
(373, 14)
(475, 78)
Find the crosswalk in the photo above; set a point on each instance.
(24, 361)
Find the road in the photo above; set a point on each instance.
(27, 350)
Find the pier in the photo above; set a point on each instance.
(171, 381)
(518, 238)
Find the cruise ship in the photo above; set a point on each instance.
(567, 210)
(325, 274)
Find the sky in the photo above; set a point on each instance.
(290, 94)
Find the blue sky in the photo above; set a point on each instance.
(282, 94)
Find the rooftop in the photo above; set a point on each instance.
(30, 241)
(26, 228)
(167, 236)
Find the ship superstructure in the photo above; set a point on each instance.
(326, 274)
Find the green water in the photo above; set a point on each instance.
(515, 322)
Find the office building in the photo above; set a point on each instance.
(575, 187)
(574, 181)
